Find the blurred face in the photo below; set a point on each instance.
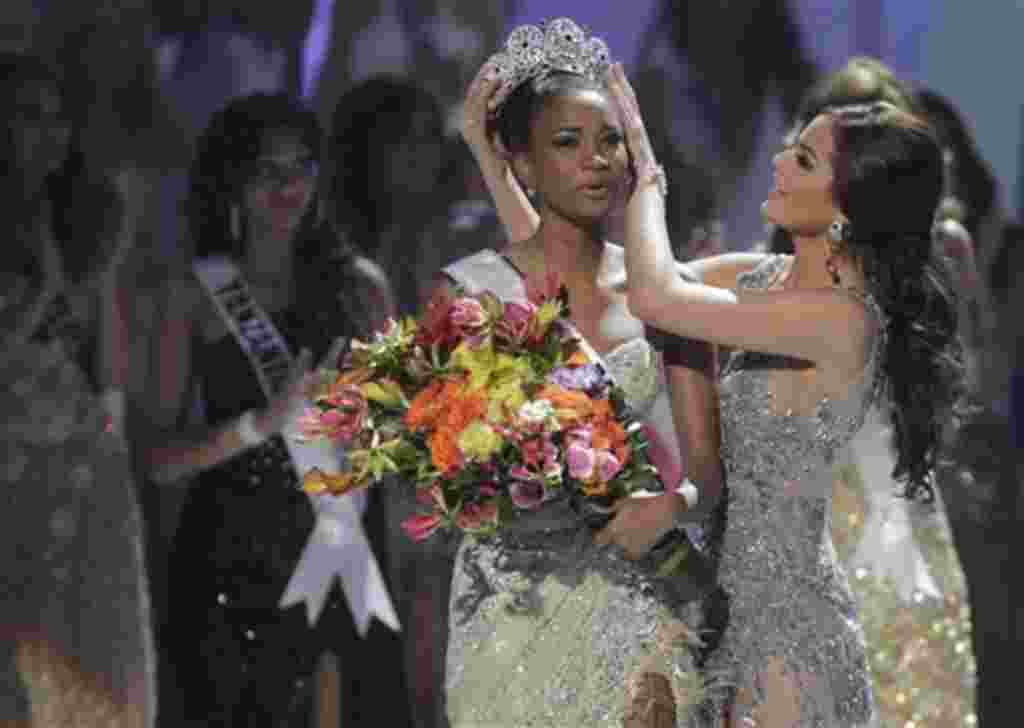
(801, 201)
(279, 187)
(39, 130)
(412, 162)
(577, 157)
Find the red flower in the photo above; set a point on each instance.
(421, 527)
(435, 325)
(474, 516)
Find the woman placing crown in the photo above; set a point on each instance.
(546, 627)
(861, 310)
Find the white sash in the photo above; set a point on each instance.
(338, 546)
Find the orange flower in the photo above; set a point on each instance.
(354, 377)
(444, 450)
(570, 405)
(456, 415)
(577, 359)
(428, 405)
(607, 432)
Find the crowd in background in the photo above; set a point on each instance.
(142, 137)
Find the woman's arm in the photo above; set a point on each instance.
(800, 323)
(171, 453)
(516, 213)
(694, 395)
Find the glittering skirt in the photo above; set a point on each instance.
(792, 652)
(547, 629)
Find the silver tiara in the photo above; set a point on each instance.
(534, 51)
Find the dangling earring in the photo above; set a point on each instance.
(235, 223)
(836, 238)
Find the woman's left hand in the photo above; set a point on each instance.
(638, 524)
(637, 141)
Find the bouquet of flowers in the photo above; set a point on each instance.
(491, 408)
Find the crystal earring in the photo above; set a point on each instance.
(837, 234)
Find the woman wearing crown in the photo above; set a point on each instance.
(547, 627)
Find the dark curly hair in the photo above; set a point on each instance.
(888, 180)
(231, 141)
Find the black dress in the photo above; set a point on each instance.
(240, 659)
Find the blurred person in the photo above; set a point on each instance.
(725, 79)
(76, 639)
(383, 190)
(255, 607)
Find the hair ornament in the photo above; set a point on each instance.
(535, 51)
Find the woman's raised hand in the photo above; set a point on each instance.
(640, 151)
(476, 108)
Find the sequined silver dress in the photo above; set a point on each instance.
(792, 634)
(545, 628)
(75, 646)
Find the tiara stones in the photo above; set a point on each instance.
(535, 51)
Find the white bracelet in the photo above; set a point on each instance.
(689, 491)
(247, 432)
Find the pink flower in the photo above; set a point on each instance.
(467, 316)
(347, 416)
(487, 490)
(474, 516)
(421, 527)
(338, 425)
(608, 466)
(518, 472)
(527, 495)
(532, 451)
(580, 436)
(516, 321)
(581, 461)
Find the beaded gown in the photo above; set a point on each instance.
(792, 628)
(545, 628)
(75, 642)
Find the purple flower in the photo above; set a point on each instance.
(528, 495)
(581, 461)
(587, 378)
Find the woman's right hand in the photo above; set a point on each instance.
(476, 109)
(295, 392)
(286, 403)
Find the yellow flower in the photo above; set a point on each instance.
(317, 482)
(479, 361)
(546, 314)
(479, 441)
(386, 392)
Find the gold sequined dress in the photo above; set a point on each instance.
(546, 629)
(792, 631)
